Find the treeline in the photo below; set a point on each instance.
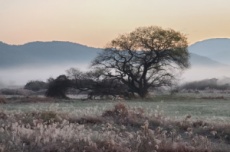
(206, 84)
(93, 83)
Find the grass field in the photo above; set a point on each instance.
(205, 109)
(161, 124)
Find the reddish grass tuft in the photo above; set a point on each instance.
(2, 100)
(3, 115)
(119, 111)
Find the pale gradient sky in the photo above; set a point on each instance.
(96, 22)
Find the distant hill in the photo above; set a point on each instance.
(58, 52)
(202, 61)
(217, 49)
(45, 53)
(209, 59)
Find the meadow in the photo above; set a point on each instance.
(178, 123)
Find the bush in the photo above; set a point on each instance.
(35, 85)
(205, 84)
(57, 88)
(16, 92)
(119, 111)
(2, 99)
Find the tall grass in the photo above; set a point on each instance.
(119, 129)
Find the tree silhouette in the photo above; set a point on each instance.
(35, 85)
(96, 84)
(58, 87)
(145, 58)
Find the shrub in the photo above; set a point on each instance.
(3, 115)
(2, 99)
(57, 88)
(205, 84)
(35, 85)
(16, 92)
(120, 111)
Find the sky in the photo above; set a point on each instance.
(96, 22)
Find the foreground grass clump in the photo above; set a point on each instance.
(120, 129)
(2, 100)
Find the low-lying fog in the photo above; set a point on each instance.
(18, 77)
(200, 73)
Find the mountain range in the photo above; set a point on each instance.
(217, 49)
(45, 53)
(211, 52)
(41, 60)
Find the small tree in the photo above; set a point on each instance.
(145, 58)
(35, 85)
(58, 87)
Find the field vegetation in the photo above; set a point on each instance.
(178, 123)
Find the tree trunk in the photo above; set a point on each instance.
(142, 93)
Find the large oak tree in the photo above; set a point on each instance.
(145, 58)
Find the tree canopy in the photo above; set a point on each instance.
(58, 87)
(35, 85)
(145, 58)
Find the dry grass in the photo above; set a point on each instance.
(120, 129)
(86, 120)
(2, 100)
(119, 111)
